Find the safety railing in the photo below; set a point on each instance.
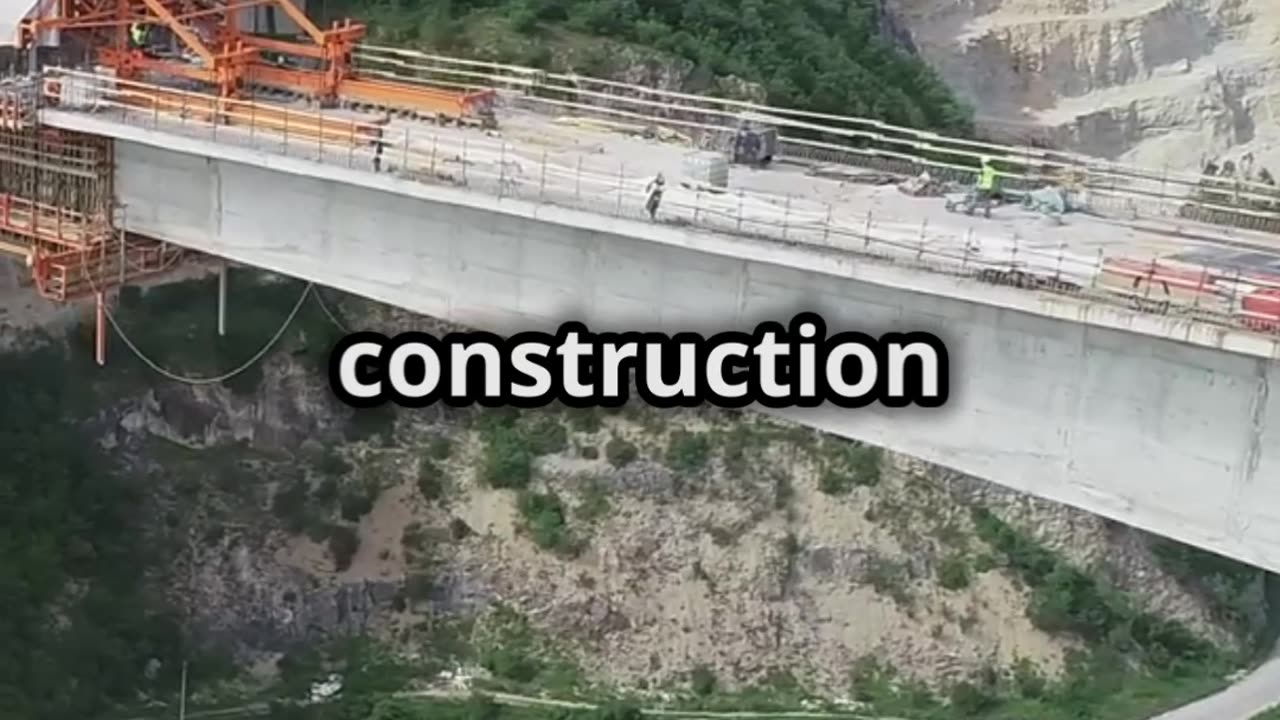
(589, 182)
(860, 138)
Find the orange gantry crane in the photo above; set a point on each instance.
(213, 50)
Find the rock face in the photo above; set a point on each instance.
(1155, 81)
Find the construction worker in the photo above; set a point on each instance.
(654, 192)
(986, 181)
(138, 33)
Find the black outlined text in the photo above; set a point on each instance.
(793, 366)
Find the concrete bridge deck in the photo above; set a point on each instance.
(1156, 422)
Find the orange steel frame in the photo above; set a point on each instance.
(232, 60)
(228, 58)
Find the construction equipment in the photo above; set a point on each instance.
(200, 40)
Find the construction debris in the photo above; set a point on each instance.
(844, 173)
(1051, 201)
(923, 186)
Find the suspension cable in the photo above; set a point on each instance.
(194, 380)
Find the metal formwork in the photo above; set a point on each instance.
(56, 202)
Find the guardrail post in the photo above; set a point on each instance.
(739, 210)
(1151, 278)
(1235, 288)
(542, 182)
(697, 203)
(924, 227)
(435, 140)
(577, 181)
(618, 208)
(155, 111)
(1204, 277)
(826, 227)
(464, 159)
(1013, 256)
(786, 216)
(404, 154)
(502, 168)
(1057, 274)
(968, 244)
(866, 232)
(253, 120)
(1097, 271)
(320, 135)
(286, 132)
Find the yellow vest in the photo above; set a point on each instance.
(987, 178)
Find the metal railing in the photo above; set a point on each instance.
(586, 182)
(1156, 191)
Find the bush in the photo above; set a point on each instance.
(953, 573)
(513, 662)
(969, 700)
(851, 465)
(439, 448)
(702, 681)
(430, 484)
(343, 544)
(507, 462)
(546, 521)
(546, 436)
(687, 452)
(357, 502)
(620, 452)
(1064, 599)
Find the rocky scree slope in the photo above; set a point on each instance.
(1159, 82)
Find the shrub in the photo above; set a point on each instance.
(440, 448)
(546, 436)
(687, 452)
(356, 503)
(702, 681)
(953, 573)
(430, 484)
(507, 462)
(620, 452)
(546, 520)
(343, 544)
(852, 465)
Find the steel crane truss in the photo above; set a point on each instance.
(223, 55)
(219, 54)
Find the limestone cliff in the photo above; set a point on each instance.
(1162, 82)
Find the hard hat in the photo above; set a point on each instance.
(986, 160)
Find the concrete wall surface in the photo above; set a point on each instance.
(1168, 435)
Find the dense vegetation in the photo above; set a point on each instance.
(76, 632)
(820, 55)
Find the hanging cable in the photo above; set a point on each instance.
(190, 380)
(319, 298)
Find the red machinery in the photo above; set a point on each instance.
(218, 53)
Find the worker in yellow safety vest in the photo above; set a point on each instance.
(138, 34)
(986, 180)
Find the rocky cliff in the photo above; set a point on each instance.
(1161, 82)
